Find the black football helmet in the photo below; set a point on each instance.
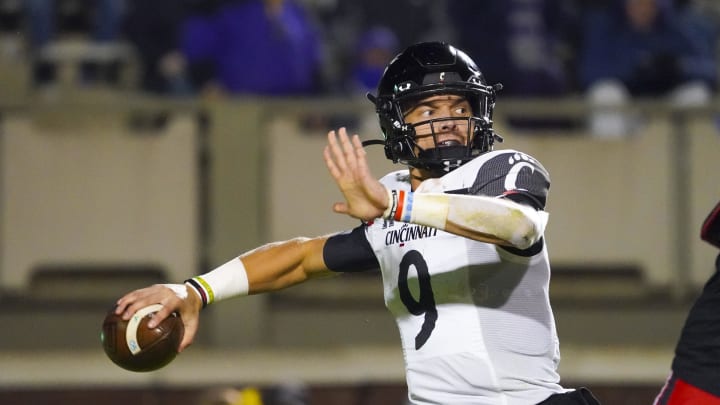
(424, 70)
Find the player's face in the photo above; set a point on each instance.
(446, 132)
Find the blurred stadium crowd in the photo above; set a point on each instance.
(609, 50)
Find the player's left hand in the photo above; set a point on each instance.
(365, 197)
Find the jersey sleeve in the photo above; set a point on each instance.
(513, 175)
(350, 251)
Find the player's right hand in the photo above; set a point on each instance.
(173, 297)
(365, 197)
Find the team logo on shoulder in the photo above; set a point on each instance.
(518, 161)
(511, 171)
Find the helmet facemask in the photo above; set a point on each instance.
(446, 153)
(402, 143)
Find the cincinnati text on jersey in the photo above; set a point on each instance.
(408, 232)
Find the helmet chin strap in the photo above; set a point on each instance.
(443, 159)
(373, 142)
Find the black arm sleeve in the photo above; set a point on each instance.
(350, 252)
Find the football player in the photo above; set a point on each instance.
(457, 235)
(695, 376)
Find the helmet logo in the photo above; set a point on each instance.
(442, 76)
(402, 127)
(399, 88)
(449, 165)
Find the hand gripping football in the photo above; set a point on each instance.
(133, 346)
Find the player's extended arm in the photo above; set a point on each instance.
(268, 268)
(279, 265)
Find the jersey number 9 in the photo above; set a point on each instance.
(426, 302)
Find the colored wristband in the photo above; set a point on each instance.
(400, 204)
(228, 280)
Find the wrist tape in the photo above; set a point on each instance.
(400, 205)
(430, 209)
(228, 280)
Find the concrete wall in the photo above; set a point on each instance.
(80, 185)
(96, 193)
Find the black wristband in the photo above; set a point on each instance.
(198, 288)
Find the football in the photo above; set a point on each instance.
(133, 346)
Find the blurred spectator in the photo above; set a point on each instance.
(411, 20)
(709, 9)
(373, 51)
(268, 47)
(518, 43)
(643, 48)
(153, 28)
(523, 44)
(346, 21)
(42, 16)
(703, 21)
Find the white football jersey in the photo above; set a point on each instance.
(474, 319)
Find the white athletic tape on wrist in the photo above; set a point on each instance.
(134, 323)
(392, 204)
(228, 280)
(430, 209)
